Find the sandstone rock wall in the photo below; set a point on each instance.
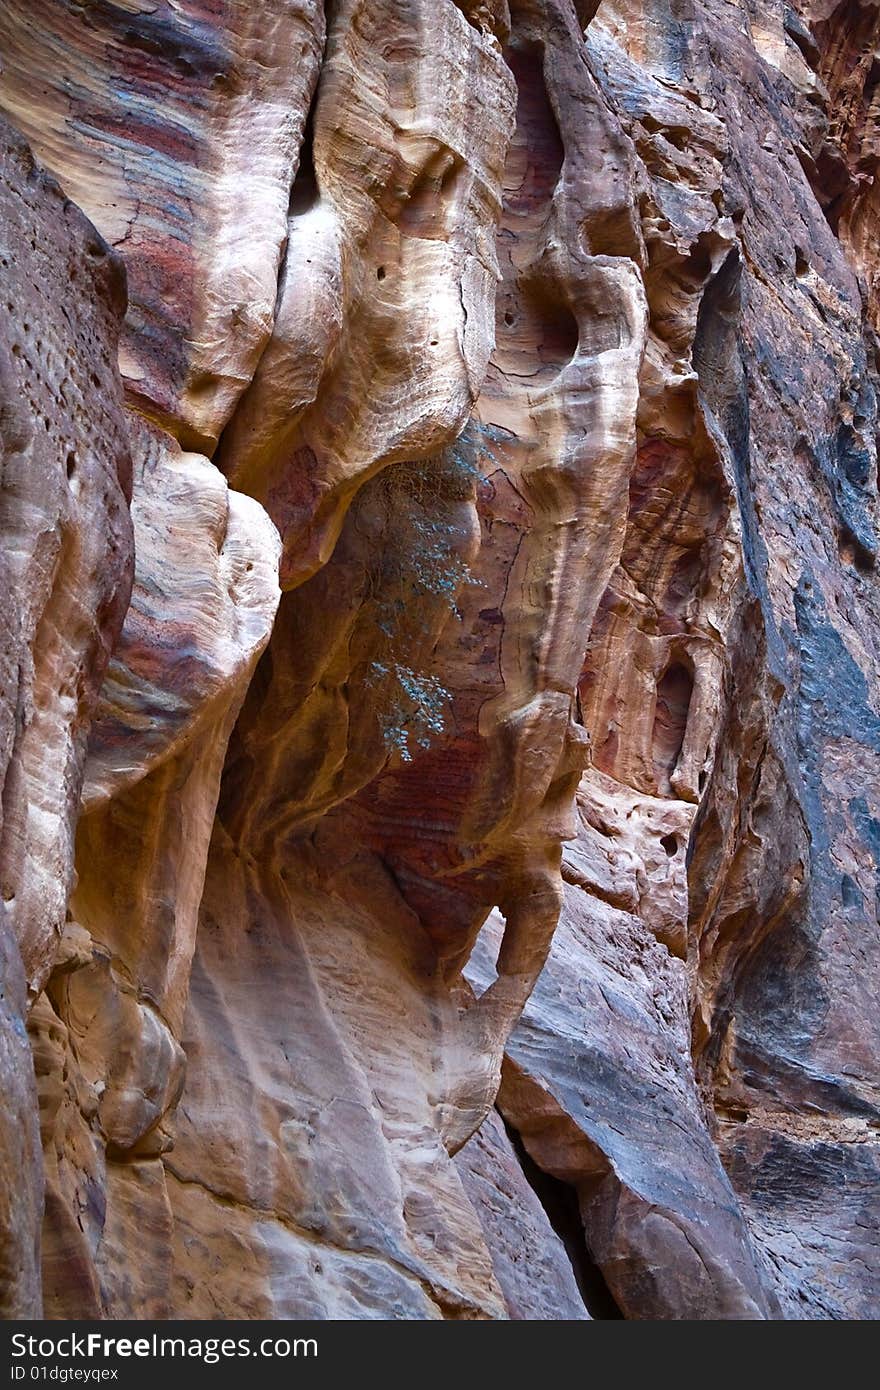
(468, 740)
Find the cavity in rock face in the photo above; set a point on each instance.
(470, 768)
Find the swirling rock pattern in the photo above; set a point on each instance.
(176, 128)
(476, 898)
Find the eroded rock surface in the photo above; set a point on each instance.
(176, 128)
(65, 568)
(484, 924)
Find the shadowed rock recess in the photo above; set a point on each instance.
(440, 659)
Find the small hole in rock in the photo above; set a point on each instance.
(380, 273)
(670, 844)
(71, 464)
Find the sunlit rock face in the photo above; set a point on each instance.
(176, 127)
(473, 775)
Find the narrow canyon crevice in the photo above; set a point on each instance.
(560, 1201)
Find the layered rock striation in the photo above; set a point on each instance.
(440, 691)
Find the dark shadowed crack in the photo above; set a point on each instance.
(560, 1202)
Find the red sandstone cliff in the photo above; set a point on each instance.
(440, 659)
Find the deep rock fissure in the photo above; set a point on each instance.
(560, 1202)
